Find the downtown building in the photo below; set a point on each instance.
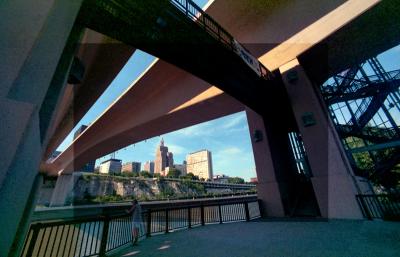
(88, 167)
(149, 166)
(110, 166)
(131, 167)
(181, 168)
(200, 164)
(163, 159)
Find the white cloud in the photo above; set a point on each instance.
(234, 121)
(225, 125)
(203, 129)
(177, 149)
(229, 151)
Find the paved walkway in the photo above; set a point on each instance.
(275, 239)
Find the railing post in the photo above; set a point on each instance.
(148, 232)
(104, 236)
(246, 208)
(189, 218)
(35, 229)
(220, 213)
(166, 221)
(202, 215)
(381, 208)
(364, 207)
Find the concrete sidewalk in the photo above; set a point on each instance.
(335, 238)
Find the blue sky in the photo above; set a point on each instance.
(227, 138)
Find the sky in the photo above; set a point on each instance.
(227, 138)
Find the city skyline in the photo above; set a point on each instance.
(227, 138)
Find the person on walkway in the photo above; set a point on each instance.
(136, 211)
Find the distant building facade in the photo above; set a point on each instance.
(79, 131)
(254, 180)
(149, 166)
(200, 164)
(131, 167)
(110, 166)
(163, 159)
(54, 155)
(88, 167)
(181, 168)
(223, 179)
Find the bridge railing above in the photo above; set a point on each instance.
(195, 13)
(97, 230)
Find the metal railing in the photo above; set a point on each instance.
(96, 235)
(195, 13)
(384, 206)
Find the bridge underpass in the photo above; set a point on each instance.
(281, 154)
(25, 109)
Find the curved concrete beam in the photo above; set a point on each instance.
(162, 100)
(295, 26)
(103, 58)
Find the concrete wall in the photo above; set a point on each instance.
(267, 186)
(333, 181)
(34, 34)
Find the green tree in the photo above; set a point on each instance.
(235, 180)
(190, 176)
(145, 174)
(174, 173)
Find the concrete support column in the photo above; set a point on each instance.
(34, 34)
(267, 187)
(63, 189)
(333, 181)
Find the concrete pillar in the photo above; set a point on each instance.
(267, 188)
(333, 181)
(63, 189)
(34, 33)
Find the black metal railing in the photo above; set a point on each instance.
(96, 235)
(384, 206)
(195, 13)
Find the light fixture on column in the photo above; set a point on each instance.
(308, 119)
(292, 76)
(257, 136)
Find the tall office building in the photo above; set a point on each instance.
(149, 166)
(163, 159)
(88, 167)
(79, 131)
(181, 167)
(111, 166)
(200, 164)
(131, 167)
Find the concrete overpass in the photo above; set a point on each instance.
(291, 37)
(114, 130)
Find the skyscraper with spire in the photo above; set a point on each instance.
(163, 159)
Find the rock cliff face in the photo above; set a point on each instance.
(95, 186)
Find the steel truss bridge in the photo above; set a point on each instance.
(364, 102)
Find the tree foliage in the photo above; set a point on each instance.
(145, 174)
(235, 180)
(174, 173)
(190, 176)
